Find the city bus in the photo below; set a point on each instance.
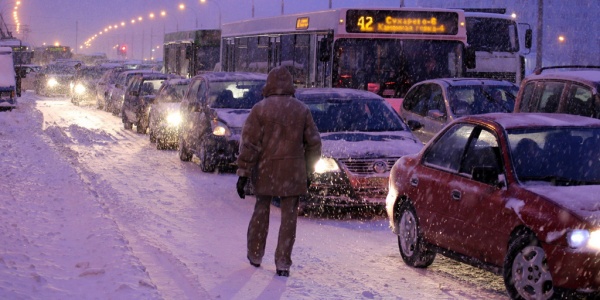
(188, 52)
(381, 50)
(494, 36)
(22, 51)
(48, 54)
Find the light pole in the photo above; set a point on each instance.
(218, 6)
(182, 7)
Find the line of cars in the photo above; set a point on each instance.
(513, 193)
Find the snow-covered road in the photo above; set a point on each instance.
(89, 210)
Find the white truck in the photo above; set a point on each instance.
(8, 92)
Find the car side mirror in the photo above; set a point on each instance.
(486, 174)
(414, 125)
(528, 38)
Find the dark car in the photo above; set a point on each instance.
(83, 86)
(516, 194)
(213, 112)
(54, 79)
(565, 89)
(117, 91)
(104, 86)
(362, 136)
(139, 95)
(165, 113)
(431, 104)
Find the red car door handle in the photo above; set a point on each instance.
(414, 181)
(455, 195)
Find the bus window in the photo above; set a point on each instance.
(390, 67)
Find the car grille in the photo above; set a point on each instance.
(365, 166)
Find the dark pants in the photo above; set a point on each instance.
(259, 228)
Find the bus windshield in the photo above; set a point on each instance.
(389, 67)
(492, 34)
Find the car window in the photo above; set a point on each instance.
(416, 100)
(201, 91)
(150, 87)
(193, 91)
(331, 115)
(561, 156)
(172, 93)
(579, 101)
(527, 97)
(550, 97)
(239, 94)
(436, 100)
(483, 151)
(446, 152)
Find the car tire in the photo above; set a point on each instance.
(184, 153)
(126, 124)
(526, 274)
(152, 136)
(413, 249)
(208, 162)
(140, 127)
(160, 145)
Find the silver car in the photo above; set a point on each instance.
(432, 104)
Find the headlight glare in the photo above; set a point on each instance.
(174, 119)
(52, 82)
(79, 89)
(578, 238)
(326, 164)
(594, 240)
(220, 129)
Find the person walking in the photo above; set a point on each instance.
(279, 147)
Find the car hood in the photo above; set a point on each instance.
(369, 144)
(581, 200)
(234, 118)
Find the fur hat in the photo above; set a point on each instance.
(279, 82)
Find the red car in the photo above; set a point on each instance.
(512, 193)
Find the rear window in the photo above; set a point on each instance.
(579, 101)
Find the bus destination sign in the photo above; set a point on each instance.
(396, 21)
(302, 23)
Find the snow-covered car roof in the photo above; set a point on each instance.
(336, 93)
(228, 76)
(468, 82)
(586, 76)
(177, 81)
(520, 120)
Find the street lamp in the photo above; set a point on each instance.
(182, 7)
(218, 6)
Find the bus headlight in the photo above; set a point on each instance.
(174, 119)
(326, 164)
(52, 82)
(584, 239)
(220, 129)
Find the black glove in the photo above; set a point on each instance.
(241, 184)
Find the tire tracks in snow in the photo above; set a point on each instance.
(172, 278)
